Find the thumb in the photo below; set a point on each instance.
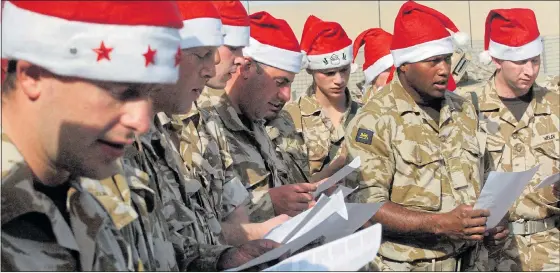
(279, 219)
(308, 187)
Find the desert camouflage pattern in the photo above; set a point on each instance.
(289, 143)
(187, 208)
(518, 146)
(410, 160)
(131, 204)
(255, 160)
(91, 232)
(206, 156)
(550, 82)
(318, 131)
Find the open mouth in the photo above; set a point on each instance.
(112, 144)
(441, 84)
(276, 106)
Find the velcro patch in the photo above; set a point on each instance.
(364, 136)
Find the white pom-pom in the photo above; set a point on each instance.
(461, 38)
(484, 57)
(353, 68)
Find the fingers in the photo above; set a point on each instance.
(479, 213)
(302, 197)
(475, 222)
(305, 187)
(501, 235)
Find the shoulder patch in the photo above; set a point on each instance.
(364, 136)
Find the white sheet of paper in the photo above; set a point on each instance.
(334, 205)
(548, 181)
(500, 192)
(292, 246)
(347, 254)
(345, 190)
(331, 181)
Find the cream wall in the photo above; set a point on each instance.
(356, 16)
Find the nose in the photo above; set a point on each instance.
(137, 115)
(338, 79)
(285, 93)
(444, 69)
(529, 69)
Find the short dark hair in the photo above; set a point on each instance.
(9, 82)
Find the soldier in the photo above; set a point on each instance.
(186, 202)
(420, 152)
(521, 120)
(259, 89)
(378, 64)
(73, 99)
(205, 151)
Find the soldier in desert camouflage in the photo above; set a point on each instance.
(187, 204)
(257, 91)
(321, 115)
(204, 148)
(522, 123)
(378, 63)
(421, 154)
(68, 111)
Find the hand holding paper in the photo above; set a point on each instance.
(331, 181)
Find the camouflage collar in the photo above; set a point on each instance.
(490, 101)
(310, 106)
(405, 103)
(19, 197)
(227, 113)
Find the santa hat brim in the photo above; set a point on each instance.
(67, 47)
(276, 57)
(422, 51)
(201, 32)
(341, 57)
(511, 53)
(236, 35)
(378, 67)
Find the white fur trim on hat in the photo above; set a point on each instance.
(236, 35)
(329, 60)
(67, 47)
(422, 51)
(510, 53)
(378, 67)
(277, 57)
(201, 32)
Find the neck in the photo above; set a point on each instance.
(504, 90)
(416, 96)
(338, 104)
(28, 146)
(233, 93)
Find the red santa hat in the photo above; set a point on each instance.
(235, 22)
(511, 34)
(377, 53)
(421, 32)
(273, 43)
(202, 25)
(116, 41)
(325, 44)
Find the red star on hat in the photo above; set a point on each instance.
(103, 52)
(150, 56)
(178, 57)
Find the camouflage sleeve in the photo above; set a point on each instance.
(262, 209)
(234, 192)
(369, 138)
(182, 225)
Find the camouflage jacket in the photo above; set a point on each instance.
(89, 242)
(255, 161)
(187, 208)
(317, 130)
(205, 152)
(131, 204)
(410, 160)
(520, 145)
